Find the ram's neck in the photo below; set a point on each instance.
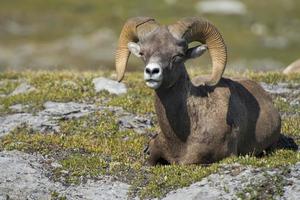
(171, 109)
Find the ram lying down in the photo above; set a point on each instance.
(205, 119)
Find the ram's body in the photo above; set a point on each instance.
(206, 119)
(205, 124)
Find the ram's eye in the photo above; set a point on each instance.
(141, 54)
(177, 58)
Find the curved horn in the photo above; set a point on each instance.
(195, 29)
(133, 29)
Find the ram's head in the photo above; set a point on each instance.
(165, 48)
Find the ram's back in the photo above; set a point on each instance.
(248, 109)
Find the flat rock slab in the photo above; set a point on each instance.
(67, 110)
(48, 119)
(36, 122)
(93, 190)
(235, 179)
(292, 191)
(113, 87)
(281, 88)
(18, 108)
(137, 123)
(22, 176)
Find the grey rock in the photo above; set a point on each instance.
(93, 190)
(111, 86)
(22, 176)
(295, 102)
(137, 123)
(55, 165)
(225, 7)
(36, 122)
(18, 108)
(226, 184)
(67, 110)
(47, 119)
(23, 88)
(292, 191)
(280, 88)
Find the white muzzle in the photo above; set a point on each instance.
(153, 75)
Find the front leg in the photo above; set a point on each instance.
(154, 152)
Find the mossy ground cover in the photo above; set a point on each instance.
(92, 146)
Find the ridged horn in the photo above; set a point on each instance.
(134, 29)
(196, 29)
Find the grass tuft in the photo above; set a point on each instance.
(94, 145)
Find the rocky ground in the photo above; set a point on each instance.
(30, 174)
(24, 176)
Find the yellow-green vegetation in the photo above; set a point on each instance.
(61, 87)
(273, 77)
(92, 146)
(284, 106)
(267, 188)
(139, 99)
(66, 86)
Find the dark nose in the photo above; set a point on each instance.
(152, 70)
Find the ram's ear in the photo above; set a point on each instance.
(196, 51)
(134, 48)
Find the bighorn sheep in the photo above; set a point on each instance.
(205, 119)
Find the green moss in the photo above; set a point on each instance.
(269, 187)
(291, 126)
(273, 77)
(157, 181)
(100, 124)
(65, 86)
(50, 86)
(94, 145)
(57, 196)
(11, 75)
(277, 159)
(79, 165)
(284, 106)
(139, 98)
(6, 87)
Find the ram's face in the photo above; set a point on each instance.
(163, 56)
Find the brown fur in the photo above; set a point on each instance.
(202, 124)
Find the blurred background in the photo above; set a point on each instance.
(82, 34)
